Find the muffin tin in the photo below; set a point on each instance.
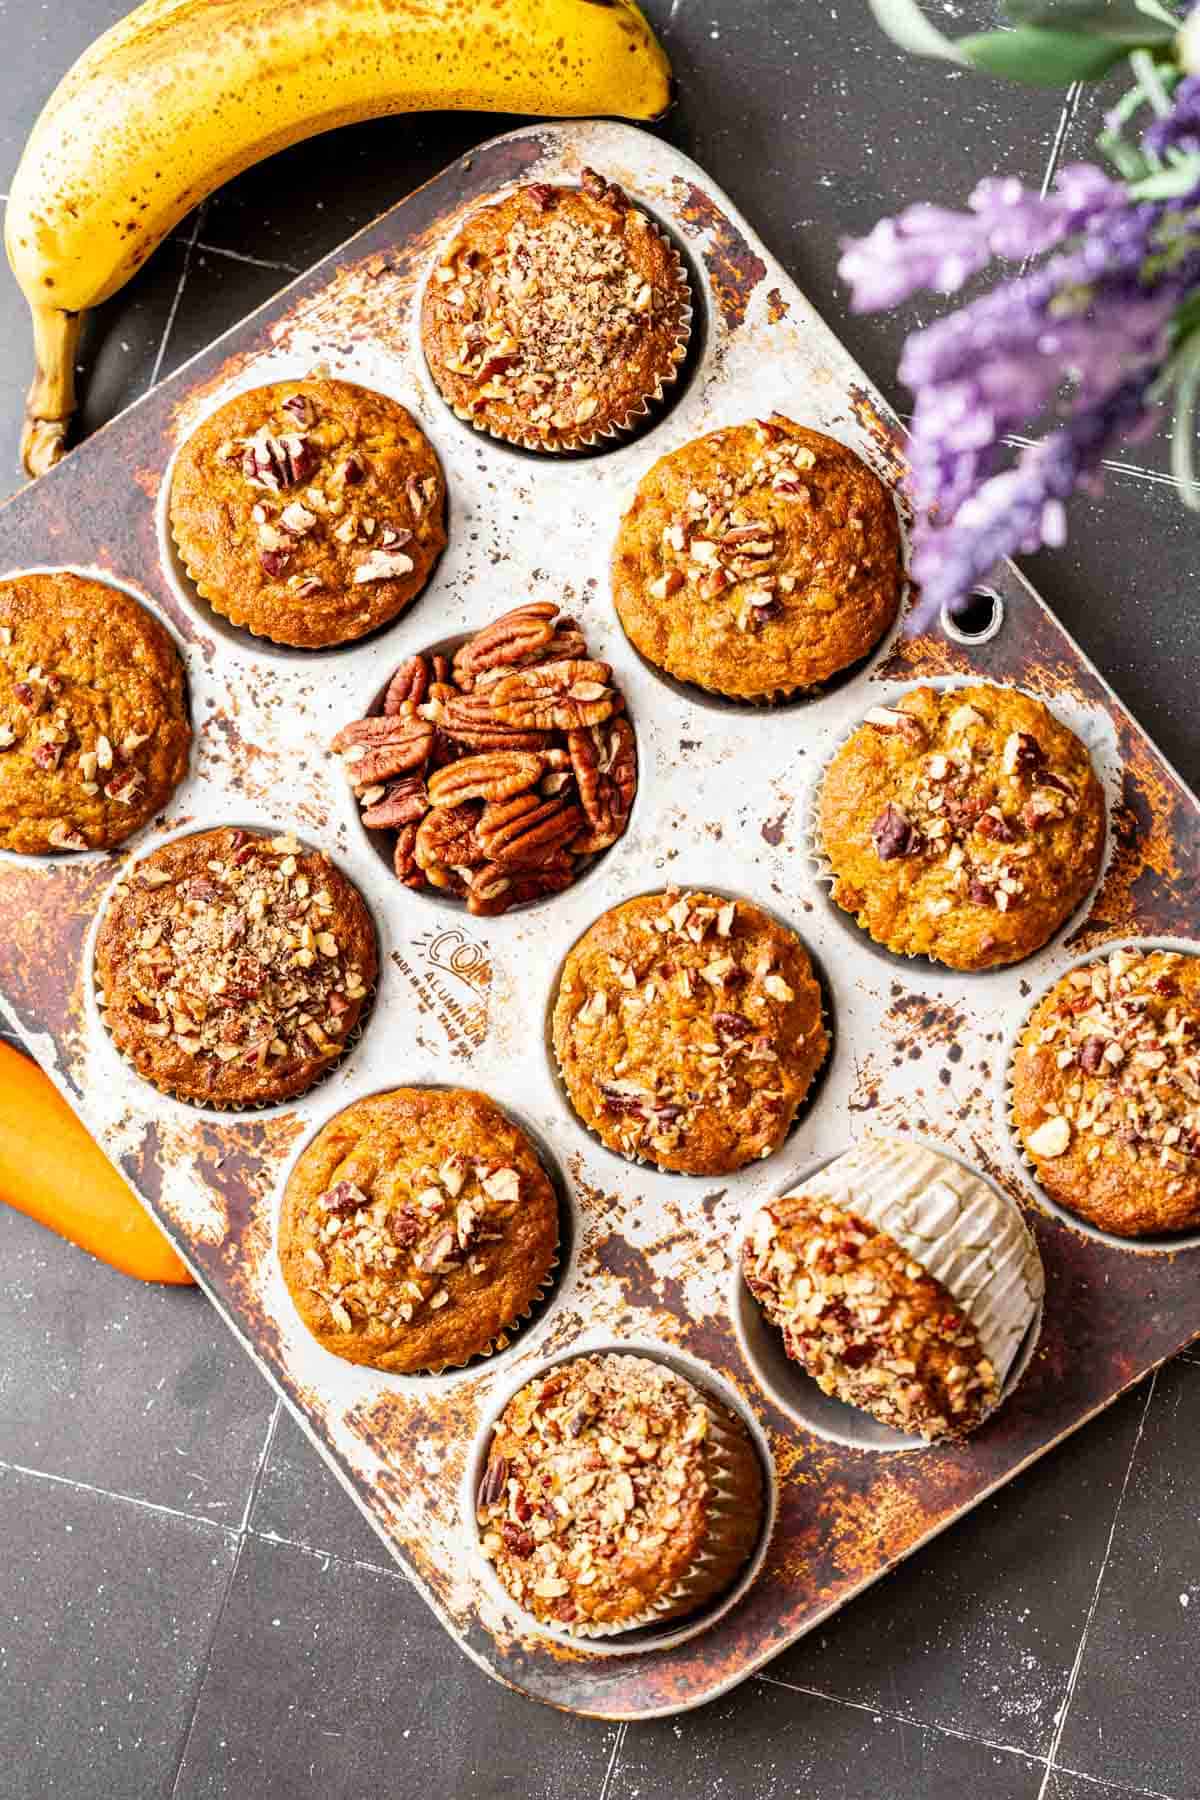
(463, 1000)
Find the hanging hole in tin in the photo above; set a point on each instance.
(976, 622)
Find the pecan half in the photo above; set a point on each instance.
(446, 842)
(497, 886)
(894, 834)
(890, 719)
(528, 829)
(404, 862)
(557, 695)
(402, 803)
(506, 641)
(472, 720)
(376, 749)
(604, 762)
(490, 775)
(410, 682)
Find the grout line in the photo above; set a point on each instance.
(103, 1493)
(260, 1465)
(1113, 1787)
(884, 1712)
(203, 1674)
(1064, 1709)
(179, 287)
(622, 1728)
(394, 1570)
(258, 262)
(669, 21)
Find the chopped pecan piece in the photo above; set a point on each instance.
(893, 834)
(891, 719)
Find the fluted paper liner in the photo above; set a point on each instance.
(959, 1228)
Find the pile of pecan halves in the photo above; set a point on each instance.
(502, 770)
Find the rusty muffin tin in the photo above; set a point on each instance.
(463, 1000)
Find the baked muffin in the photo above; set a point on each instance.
(94, 731)
(556, 315)
(504, 772)
(1106, 1092)
(688, 1029)
(758, 560)
(309, 511)
(901, 1282)
(616, 1494)
(416, 1227)
(232, 967)
(964, 825)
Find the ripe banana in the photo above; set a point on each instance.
(183, 94)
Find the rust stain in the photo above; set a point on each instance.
(734, 269)
(45, 913)
(777, 307)
(772, 829)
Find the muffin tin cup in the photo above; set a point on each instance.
(1167, 1243)
(1089, 728)
(692, 1606)
(219, 1108)
(795, 1391)
(612, 433)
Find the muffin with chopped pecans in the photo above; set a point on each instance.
(616, 1494)
(232, 967)
(759, 560)
(1106, 1092)
(901, 1282)
(964, 825)
(309, 511)
(94, 732)
(556, 315)
(688, 1029)
(417, 1227)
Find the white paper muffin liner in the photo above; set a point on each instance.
(1161, 1244)
(1088, 727)
(732, 1534)
(959, 1228)
(637, 413)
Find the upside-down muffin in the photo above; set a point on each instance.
(688, 1029)
(94, 732)
(617, 1494)
(964, 824)
(1106, 1092)
(417, 1227)
(901, 1282)
(309, 512)
(556, 315)
(232, 967)
(758, 560)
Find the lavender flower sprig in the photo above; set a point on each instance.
(1101, 321)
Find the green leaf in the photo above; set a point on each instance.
(907, 26)
(1124, 21)
(1183, 436)
(1045, 58)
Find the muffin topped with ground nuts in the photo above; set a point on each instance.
(504, 771)
(759, 560)
(964, 824)
(1106, 1092)
(688, 1029)
(232, 967)
(556, 315)
(94, 732)
(903, 1283)
(616, 1494)
(417, 1227)
(309, 512)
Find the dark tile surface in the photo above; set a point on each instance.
(127, 1387)
(108, 1610)
(357, 1690)
(327, 1676)
(299, 1499)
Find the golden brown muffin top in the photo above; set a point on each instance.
(759, 559)
(869, 1323)
(94, 733)
(596, 1495)
(965, 825)
(1106, 1092)
(555, 313)
(688, 1028)
(416, 1227)
(309, 511)
(233, 966)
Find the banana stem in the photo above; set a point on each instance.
(51, 400)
